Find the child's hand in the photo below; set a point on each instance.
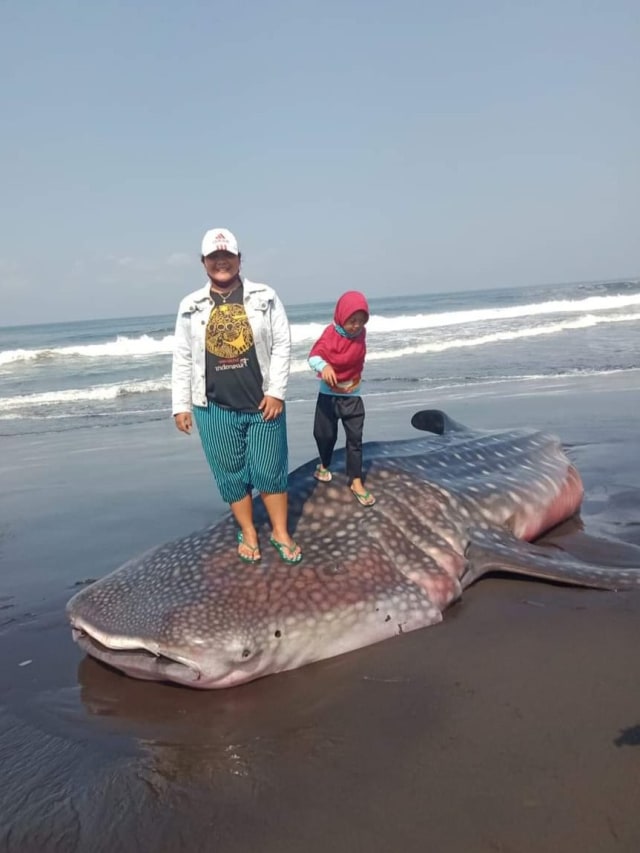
(329, 376)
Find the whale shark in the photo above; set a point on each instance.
(453, 504)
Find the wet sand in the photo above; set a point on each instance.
(512, 726)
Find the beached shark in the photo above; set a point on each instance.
(451, 506)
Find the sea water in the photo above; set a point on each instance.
(105, 373)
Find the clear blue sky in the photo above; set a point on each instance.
(395, 147)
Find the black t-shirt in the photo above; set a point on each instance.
(234, 379)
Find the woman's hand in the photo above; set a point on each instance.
(184, 421)
(329, 376)
(271, 408)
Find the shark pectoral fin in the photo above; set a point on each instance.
(496, 551)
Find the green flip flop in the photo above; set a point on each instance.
(282, 548)
(364, 498)
(322, 474)
(255, 557)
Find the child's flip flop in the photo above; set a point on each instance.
(364, 498)
(282, 548)
(322, 474)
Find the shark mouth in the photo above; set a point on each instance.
(138, 662)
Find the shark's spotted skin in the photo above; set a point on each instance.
(449, 509)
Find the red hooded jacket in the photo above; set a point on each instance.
(345, 355)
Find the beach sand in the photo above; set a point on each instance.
(514, 726)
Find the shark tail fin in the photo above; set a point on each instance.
(501, 552)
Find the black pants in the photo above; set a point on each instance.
(350, 410)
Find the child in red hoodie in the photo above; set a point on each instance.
(338, 358)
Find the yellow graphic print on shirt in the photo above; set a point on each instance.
(229, 334)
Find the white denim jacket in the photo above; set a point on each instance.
(271, 335)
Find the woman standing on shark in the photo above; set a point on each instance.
(231, 361)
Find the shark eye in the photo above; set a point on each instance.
(278, 633)
(246, 653)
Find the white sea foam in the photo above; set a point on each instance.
(92, 393)
(148, 346)
(496, 337)
(13, 355)
(404, 322)
(112, 391)
(9, 412)
(122, 347)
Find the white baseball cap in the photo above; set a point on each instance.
(219, 240)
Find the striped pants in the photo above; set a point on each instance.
(243, 450)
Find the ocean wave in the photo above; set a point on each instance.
(147, 345)
(113, 391)
(404, 322)
(475, 384)
(121, 347)
(13, 407)
(13, 355)
(477, 381)
(495, 337)
(47, 415)
(95, 393)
